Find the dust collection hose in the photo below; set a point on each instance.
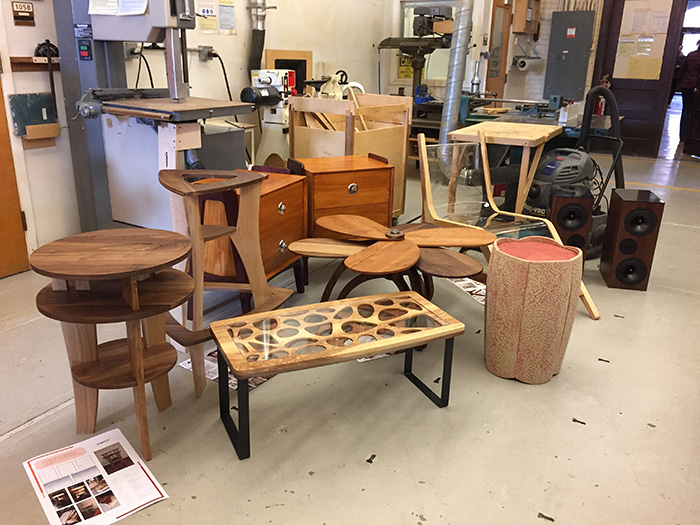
(611, 103)
(258, 12)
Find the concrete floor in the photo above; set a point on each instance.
(502, 452)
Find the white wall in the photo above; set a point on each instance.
(45, 175)
(341, 35)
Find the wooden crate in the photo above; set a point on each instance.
(330, 128)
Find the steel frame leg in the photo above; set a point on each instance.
(444, 398)
(239, 436)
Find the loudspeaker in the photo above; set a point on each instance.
(634, 219)
(571, 217)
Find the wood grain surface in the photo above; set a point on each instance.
(384, 257)
(456, 237)
(327, 248)
(220, 180)
(345, 163)
(104, 302)
(112, 369)
(110, 254)
(507, 133)
(325, 333)
(353, 225)
(441, 262)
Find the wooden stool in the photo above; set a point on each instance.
(244, 236)
(322, 334)
(115, 276)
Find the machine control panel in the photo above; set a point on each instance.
(84, 49)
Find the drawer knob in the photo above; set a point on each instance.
(282, 246)
(353, 188)
(281, 208)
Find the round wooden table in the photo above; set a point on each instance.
(112, 276)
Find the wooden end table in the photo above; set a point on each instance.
(322, 334)
(112, 276)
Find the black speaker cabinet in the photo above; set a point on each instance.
(571, 217)
(634, 219)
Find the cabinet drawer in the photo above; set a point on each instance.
(332, 190)
(282, 218)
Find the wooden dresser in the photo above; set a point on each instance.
(354, 184)
(283, 220)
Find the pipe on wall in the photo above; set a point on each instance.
(456, 68)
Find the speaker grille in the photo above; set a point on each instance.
(576, 240)
(572, 216)
(640, 222)
(631, 271)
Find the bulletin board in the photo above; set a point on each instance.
(640, 46)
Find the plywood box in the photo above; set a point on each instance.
(376, 124)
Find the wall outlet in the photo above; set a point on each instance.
(204, 53)
(131, 50)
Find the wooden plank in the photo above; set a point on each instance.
(38, 143)
(325, 248)
(154, 334)
(43, 131)
(338, 327)
(24, 64)
(370, 99)
(316, 143)
(168, 105)
(339, 164)
(440, 262)
(362, 118)
(384, 258)
(321, 105)
(395, 114)
(456, 237)
(507, 133)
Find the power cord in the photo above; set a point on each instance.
(138, 71)
(148, 68)
(223, 70)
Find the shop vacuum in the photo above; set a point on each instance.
(570, 176)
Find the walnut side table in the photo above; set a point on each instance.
(115, 276)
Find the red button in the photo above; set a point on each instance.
(83, 53)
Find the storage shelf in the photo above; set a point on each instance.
(104, 302)
(112, 369)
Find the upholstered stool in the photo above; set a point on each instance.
(531, 293)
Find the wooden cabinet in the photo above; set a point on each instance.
(376, 124)
(283, 220)
(526, 16)
(354, 185)
(283, 217)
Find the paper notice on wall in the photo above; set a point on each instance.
(227, 17)
(642, 40)
(209, 22)
(97, 481)
(117, 7)
(103, 7)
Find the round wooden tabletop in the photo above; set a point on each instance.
(110, 254)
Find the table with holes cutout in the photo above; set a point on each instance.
(321, 334)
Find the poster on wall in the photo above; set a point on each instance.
(640, 46)
(208, 23)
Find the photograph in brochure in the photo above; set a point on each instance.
(97, 481)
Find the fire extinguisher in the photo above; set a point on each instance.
(599, 108)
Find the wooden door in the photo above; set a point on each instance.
(500, 37)
(642, 102)
(13, 246)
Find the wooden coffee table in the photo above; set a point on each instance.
(323, 334)
(112, 276)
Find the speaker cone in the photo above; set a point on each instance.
(631, 271)
(640, 222)
(572, 217)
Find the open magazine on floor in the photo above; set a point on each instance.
(97, 481)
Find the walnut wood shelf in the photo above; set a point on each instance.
(104, 302)
(112, 369)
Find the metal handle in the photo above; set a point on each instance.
(281, 208)
(353, 188)
(282, 246)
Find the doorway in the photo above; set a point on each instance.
(500, 37)
(637, 48)
(13, 255)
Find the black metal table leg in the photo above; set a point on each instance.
(299, 277)
(240, 437)
(444, 398)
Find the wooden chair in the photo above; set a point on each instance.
(244, 235)
(445, 170)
